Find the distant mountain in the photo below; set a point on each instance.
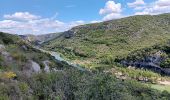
(39, 39)
(98, 44)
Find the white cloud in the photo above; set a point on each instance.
(141, 13)
(110, 7)
(157, 7)
(34, 25)
(21, 16)
(139, 8)
(136, 4)
(95, 21)
(75, 23)
(111, 10)
(163, 3)
(112, 16)
(6, 24)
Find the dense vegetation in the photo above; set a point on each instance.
(65, 82)
(104, 46)
(71, 84)
(16, 53)
(141, 54)
(101, 43)
(157, 56)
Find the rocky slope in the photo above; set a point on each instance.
(17, 55)
(95, 45)
(26, 74)
(155, 58)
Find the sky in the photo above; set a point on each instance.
(49, 16)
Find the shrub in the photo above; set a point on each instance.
(23, 87)
(8, 75)
(19, 56)
(166, 63)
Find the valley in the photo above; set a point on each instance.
(102, 46)
(100, 43)
(59, 58)
(122, 59)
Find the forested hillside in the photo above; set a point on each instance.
(97, 44)
(24, 76)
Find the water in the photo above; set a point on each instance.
(59, 58)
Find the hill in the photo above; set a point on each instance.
(95, 45)
(24, 76)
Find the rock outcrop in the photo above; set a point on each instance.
(151, 62)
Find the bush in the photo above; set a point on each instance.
(19, 56)
(8, 75)
(166, 63)
(23, 87)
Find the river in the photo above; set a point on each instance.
(58, 57)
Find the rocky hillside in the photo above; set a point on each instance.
(29, 74)
(156, 58)
(16, 54)
(95, 45)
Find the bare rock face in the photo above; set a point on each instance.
(30, 68)
(35, 67)
(70, 33)
(150, 62)
(5, 54)
(24, 47)
(46, 64)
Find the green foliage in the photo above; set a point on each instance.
(42, 65)
(19, 56)
(75, 85)
(7, 38)
(142, 54)
(114, 38)
(102, 42)
(166, 63)
(108, 59)
(164, 88)
(139, 73)
(23, 87)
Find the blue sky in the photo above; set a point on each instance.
(47, 16)
(68, 10)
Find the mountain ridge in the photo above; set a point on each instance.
(111, 38)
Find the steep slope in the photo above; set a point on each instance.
(23, 77)
(97, 44)
(156, 58)
(16, 54)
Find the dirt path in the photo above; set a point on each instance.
(164, 82)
